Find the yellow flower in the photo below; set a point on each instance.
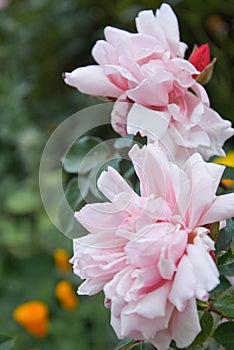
(61, 259)
(34, 317)
(228, 160)
(66, 295)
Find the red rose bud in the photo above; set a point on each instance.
(200, 58)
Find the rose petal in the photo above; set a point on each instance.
(185, 325)
(222, 208)
(147, 121)
(92, 80)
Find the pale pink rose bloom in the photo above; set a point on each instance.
(150, 253)
(148, 69)
(182, 131)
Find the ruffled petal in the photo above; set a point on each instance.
(183, 284)
(147, 121)
(104, 53)
(92, 80)
(146, 23)
(114, 35)
(164, 16)
(185, 325)
(154, 171)
(205, 271)
(111, 184)
(119, 115)
(222, 208)
(204, 179)
(153, 91)
(105, 216)
(152, 304)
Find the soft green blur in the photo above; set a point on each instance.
(40, 39)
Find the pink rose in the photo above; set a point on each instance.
(150, 253)
(148, 69)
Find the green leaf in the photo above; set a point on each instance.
(214, 230)
(224, 334)
(146, 346)
(114, 162)
(225, 237)
(228, 173)
(125, 344)
(72, 193)
(191, 347)
(226, 263)
(206, 323)
(222, 286)
(225, 304)
(129, 172)
(85, 154)
(6, 343)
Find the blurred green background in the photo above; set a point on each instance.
(40, 39)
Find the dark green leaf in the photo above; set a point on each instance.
(226, 263)
(224, 334)
(114, 162)
(125, 344)
(72, 193)
(6, 343)
(147, 346)
(85, 154)
(225, 237)
(225, 304)
(206, 322)
(191, 347)
(214, 230)
(129, 172)
(223, 285)
(228, 173)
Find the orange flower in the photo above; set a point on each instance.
(61, 259)
(227, 183)
(34, 317)
(66, 295)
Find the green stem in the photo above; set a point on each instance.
(127, 346)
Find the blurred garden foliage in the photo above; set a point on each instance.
(39, 40)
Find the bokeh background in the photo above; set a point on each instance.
(40, 39)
